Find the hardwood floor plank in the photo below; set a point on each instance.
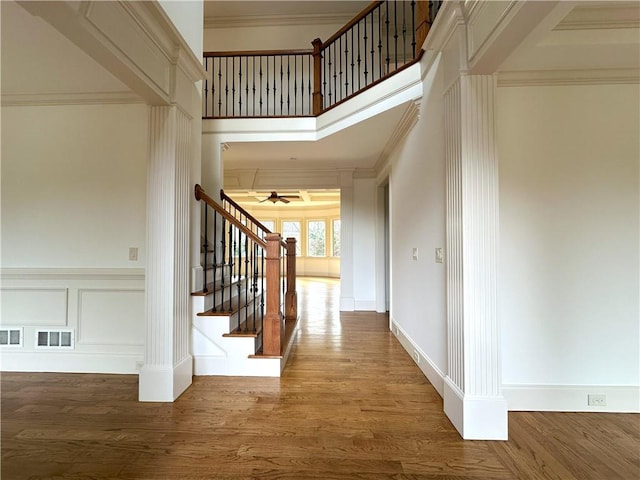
(351, 404)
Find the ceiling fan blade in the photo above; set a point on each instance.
(289, 196)
(284, 200)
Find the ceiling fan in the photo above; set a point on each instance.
(274, 197)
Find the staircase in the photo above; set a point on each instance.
(241, 326)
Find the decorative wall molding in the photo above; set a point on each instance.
(135, 41)
(531, 78)
(118, 316)
(596, 17)
(69, 98)
(402, 129)
(108, 274)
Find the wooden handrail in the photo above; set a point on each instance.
(225, 197)
(366, 11)
(258, 53)
(201, 195)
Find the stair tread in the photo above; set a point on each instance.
(222, 312)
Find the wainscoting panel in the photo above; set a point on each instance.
(110, 317)
(103, 309)
(34, 306)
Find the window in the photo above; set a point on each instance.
(270, 224)
(316, 238)
(335, 239)
(291, 228)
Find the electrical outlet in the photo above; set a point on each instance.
(416, 357)
(597, 400)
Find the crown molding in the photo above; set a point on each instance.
(73, 98)
(275, 20)
(610, 76)
(404, 126)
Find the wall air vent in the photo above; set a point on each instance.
(11, 337)
(58, 339)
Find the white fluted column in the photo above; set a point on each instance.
(168, 366)
(472, 398)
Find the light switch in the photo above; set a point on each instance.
(133, 254)
(439, 255)
(415, 253)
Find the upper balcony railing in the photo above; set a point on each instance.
(380, 41)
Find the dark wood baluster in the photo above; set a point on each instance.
(331, 101)
(288, 83)
(238, 279)
(379, 43)
(325, 95)
(335, 74)
(353, 78)
(219, 87)
(206, 85)
(246, 85)
(373, 51)
(230, 264)
(340, 52)
(246, 283)
(267, 96)
(359, 59)
(295, 85)
(346, 65)
(365, 38)
(205, 246)
(223, 245)
(239, 85)
(413, 29)
(395, 30)
(387, 35)
(404, 35)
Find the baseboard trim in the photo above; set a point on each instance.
(365, 305)
(71, 362)
(429, 368)
(571, 398)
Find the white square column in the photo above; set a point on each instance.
(472, 391)
(168, 364)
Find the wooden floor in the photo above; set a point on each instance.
(351, 405)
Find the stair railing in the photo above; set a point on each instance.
(382, 40)
(259, 266)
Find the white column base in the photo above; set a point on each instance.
(476, 418)
(164, 384)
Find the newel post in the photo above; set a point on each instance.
(317, 76)
(273, 329)
(291, 297)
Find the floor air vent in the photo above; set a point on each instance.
(54, 339)
(11, 337)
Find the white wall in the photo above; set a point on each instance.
(569, 235)
(188, 17)
(417, 210)
(286, 37)
(72, 196)
(364, 243)
(73, 202)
